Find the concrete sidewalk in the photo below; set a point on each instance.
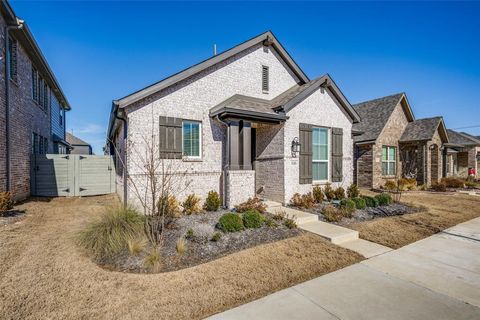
(434, 278)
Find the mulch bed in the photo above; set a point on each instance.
(200, 248)
(394, 209)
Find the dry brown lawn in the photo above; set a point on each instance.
(441, 211)
(44, 274)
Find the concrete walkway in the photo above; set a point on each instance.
(434, 278)
(338, 235)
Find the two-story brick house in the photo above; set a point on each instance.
(32, 104)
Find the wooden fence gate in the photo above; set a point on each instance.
(68, 175)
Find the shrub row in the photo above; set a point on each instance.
(233, 222)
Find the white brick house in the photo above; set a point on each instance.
(230, 123)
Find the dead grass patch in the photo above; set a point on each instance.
(441, 212)
(44, 274)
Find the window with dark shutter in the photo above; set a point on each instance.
(305, 165)
(337, 154)
(40, 92)
(265, 79)
(45, 95)
(170, 138)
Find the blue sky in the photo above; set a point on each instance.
(102, 51)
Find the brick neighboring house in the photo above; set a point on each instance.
(390, 143)
(32, 104)
(77, 145)
(462, 153)
(245, 122)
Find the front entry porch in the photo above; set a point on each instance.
(248, 124)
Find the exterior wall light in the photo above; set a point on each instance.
(295, 147)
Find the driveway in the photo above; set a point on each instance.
(434, 278)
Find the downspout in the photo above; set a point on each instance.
(125, 182)
(7, 97)
(226, 166)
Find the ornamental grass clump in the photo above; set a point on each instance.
(213, 201)
(231, 222)
(251, 204)
(111, 233)
(252, 219)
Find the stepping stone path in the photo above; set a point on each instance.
(338, 235)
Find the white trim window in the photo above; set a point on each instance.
(192, 139)
(389, 161)
(320, 154)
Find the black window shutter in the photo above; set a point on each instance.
(337, 154)
(170, 138)
(305, 165)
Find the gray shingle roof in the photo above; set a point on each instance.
(421, 129)
(280, 104)
(462, 138)
(374, 115)
(75, 141)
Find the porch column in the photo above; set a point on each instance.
(233, 145)
(246, 145)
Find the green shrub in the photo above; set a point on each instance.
(252, 219)
(451, 182)
(251, 204)
(348, 204)
(339, 193)
(216, 236)
(317, 194)
(329, 192)
(333, 214)
(390, 185)
(231, 222)
(352, 191)
(439, 187)
(360, 203)
(303, 201)
(370, 201)
(6, 202)
(213, 202)
(290, 223)
(110, 234)
(271, 223)
(384, 199)
(191, 205)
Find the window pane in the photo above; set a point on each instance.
(320, 144)
(384, 153)
(391, 153)
(384, 168)
(391, 168)
(323, 153)
(320, 171)
(191, 139)
(323, 136)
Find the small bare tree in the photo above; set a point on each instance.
(409, 170)
(154, 182)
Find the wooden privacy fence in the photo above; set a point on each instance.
(67, 175)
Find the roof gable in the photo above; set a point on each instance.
(75, 141)
(286, 101)
(425, 129)
(375, 114)
(267, 38)
(462, 138)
